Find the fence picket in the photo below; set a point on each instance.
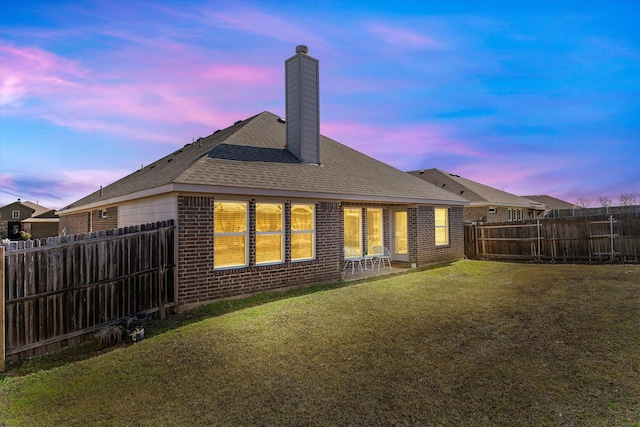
(565, 239)
(63, 288)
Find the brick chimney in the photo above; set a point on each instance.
(303, 106)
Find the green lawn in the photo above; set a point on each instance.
(473, 343)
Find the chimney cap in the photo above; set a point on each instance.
(302, 49)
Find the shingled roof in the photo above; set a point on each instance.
(550, 202)
(477, 194)
(250, 158)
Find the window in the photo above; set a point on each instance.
(303, 232)
(442, 226)
(401, 227)
(229, 234)
(269, 233)
(514, 214)
(374, 231)
(15, 214)
(103, 214)
(493, 210)
(353, 230)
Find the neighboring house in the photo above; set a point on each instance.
(38, 221)
(268, 203)
(486, 204)
(551, 203)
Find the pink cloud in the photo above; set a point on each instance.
(57, 188)
(181, 92)
(402, 147)
(29, 71)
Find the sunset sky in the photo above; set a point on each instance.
(532, 97)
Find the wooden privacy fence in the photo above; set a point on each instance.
(575, 239)
(58, 291)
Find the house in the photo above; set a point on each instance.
(39, 221)
(270, 203)
(551, 203)
(486, 204)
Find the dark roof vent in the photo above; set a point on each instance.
(302, 49)
(169, 160)
(217, 131)
(281, 120)
(461, 191)
(238, 122)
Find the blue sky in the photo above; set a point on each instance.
(532, 97)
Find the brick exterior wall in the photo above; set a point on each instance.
(422, 246)
(78, 223)
(199, 282)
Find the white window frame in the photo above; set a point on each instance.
(359, 210)
(103, 214)
(244, 233)
(445, 227)
(15, 214)
(514, 214)
(381, 225)
(312, 232)
(272, 233)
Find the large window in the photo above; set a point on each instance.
(353, 230)
(374, 231)
(400, 227)
(303, 232)
(230, 234)
(442, 227)
(269, 235)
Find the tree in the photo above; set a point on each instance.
(583, 202)
(604, 201)
(628, 199)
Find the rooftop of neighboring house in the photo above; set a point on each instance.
(37, 209)
(251, 158)
(551, 202)
(476, 193)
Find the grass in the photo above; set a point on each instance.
(473, 343)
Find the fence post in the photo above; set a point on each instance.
(161, 260)
(611, 236)
(475, 240)
(538, 228)
(2, 308)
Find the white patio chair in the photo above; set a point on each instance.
(352, 256)
(382, 255)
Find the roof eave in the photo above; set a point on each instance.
(505, 204)
(246, 191)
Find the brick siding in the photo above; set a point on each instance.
(199, 282)
(422, 246)
(78, 223)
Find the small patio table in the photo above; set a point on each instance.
(368, 258)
